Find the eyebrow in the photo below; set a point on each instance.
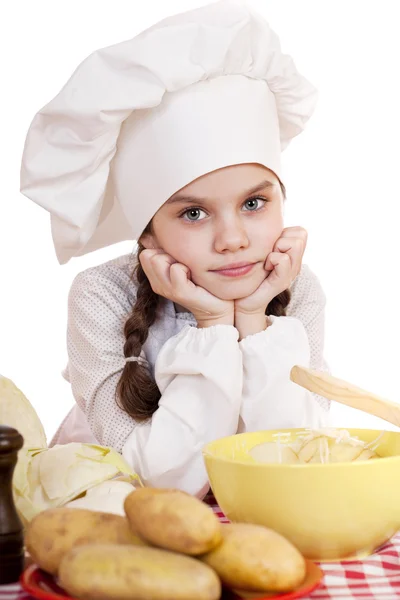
(194, 199)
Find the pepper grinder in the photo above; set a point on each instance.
(11, 529)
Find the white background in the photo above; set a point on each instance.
(342, 177)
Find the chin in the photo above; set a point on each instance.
(234, 290)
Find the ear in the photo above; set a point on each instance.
(148, 241)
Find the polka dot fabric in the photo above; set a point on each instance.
(99, 303)
(308, 305)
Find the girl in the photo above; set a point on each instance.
(174, 138)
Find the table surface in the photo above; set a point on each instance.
(376, 577)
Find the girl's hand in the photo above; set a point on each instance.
(171, 280)
(282, 266)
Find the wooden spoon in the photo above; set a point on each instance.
(341, 391)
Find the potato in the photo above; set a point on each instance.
(366, 454)
(125, 572)
(254, 558)
(52, 533)
(173, 520)
(311, 449)
(343, 453)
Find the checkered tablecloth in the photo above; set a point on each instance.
(374, 578)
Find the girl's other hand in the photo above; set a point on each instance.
(282, 266)
(171, 280)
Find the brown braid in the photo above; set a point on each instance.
(137, 392)
(278, 305)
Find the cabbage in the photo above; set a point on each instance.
(108, 496)
(16, 411)
(51, 477)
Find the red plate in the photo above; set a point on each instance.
(43, 586)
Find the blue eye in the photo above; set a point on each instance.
(192, 214)
(253, 204)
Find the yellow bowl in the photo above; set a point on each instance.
(329, 511)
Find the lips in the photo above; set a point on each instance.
(237, 265)
(235, 269)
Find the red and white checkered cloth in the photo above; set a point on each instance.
(374, 578)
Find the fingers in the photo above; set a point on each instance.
(179, 272)
(148, 257)
(293, 242)
(295, 246)
(179, 278)
(279, 262)
(277, 281)
(290, 232)
(167, 277)
(157, 264)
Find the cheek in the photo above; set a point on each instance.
(264, 236)
(183, 248)
(187, 254)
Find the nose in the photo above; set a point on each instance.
(230, 235)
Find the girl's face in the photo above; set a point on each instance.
(227, 218)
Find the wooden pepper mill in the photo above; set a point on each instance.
(11, 530)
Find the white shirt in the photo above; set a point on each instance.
(211, 384)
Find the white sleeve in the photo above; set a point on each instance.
(270, 399)
(199, 374)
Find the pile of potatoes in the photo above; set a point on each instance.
(169, 546)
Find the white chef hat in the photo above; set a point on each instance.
(139, 120)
